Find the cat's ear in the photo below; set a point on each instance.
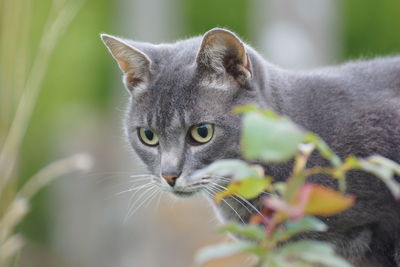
(134, 64)
(222, 52)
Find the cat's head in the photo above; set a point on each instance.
(181, 99)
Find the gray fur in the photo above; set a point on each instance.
(355, 108)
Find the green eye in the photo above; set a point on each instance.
(202, 133)
(148, 137)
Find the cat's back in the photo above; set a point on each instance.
(356, 77)
(355, 107)
(347, 87)
(376, 75)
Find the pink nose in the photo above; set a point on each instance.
(170, 178)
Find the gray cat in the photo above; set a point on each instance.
(179, 119)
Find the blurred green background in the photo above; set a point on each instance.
(82, 86)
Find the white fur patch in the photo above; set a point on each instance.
(224, 83)
(138, 88)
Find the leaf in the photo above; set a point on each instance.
(323, 148)
(384, 169)
(312, 252)
(268, 138)
(311, 199)
(251, 187)
(301, 225)
(245, 109)
(385, 162)
(253, 232)
(323, 201)
(234, 168)
(223, 250)
(280, 188)
(252, 108)
(248, 188)
(351, 162)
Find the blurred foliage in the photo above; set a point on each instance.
(77, 82)
(201, 16)
(370, 28)
(22, 71)
(289, 207)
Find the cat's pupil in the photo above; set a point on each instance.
(149, 134)
(202, 130)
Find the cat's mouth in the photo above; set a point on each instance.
(184, 192)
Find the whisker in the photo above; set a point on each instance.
(146, 190)
(154, 195)
(118, 178)
(141, 178)
(134, 180)
(128, 186)
(144, 201)
(233, 197)
(243, 199)
(133, 189)
(133, 201)
(108, 174)
(226, 202)
(250, 204)
(267, 193)
(223, 179)
(146, 194)
(214, 218)
(142, 175)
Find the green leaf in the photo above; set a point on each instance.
(235, 168)
(385, 162)
(324, 201)
(352, 162)
(251, 187)
(323, 149)
(385, 170)
(269, 138)
(301, 225)
(248, 188)
(280, 188)
(253, 232)
(223, 250)
(307, 251)
(245, 109)
(252, 108)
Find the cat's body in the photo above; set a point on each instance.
(355, 108)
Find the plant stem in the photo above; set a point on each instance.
(53, 31)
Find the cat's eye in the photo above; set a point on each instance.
(202, 133)
(148, 137)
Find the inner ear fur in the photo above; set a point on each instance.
(134, 64)
(222, 51)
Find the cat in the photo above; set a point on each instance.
(179, 120)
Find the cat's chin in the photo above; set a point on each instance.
(183, 194)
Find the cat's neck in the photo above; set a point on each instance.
(271, 82)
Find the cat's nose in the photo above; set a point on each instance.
(170, 178)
